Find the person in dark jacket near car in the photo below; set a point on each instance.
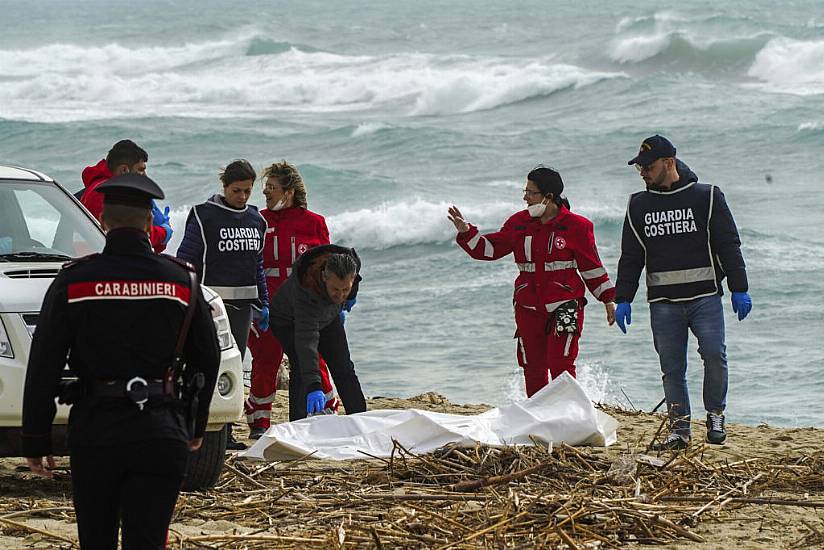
(684, 234)
(118, 316)
(306, 320)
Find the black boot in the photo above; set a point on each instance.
(233, 444)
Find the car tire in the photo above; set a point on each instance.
(205, 465)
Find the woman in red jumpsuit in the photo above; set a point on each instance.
(292, 230)
(554, 250)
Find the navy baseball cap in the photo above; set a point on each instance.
(130, 190)
(653, 148)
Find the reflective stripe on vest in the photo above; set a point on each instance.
(554, 305)
(527, 267)
(294, 256)
(681, 276)
(603, 287)
(593, 273)
(236, 292)
(560, 265)
(275, 271)
(528, 249)
(489, 250)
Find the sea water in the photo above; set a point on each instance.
(395, 110)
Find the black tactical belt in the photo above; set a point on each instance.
(137, 390)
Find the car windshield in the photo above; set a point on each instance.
(40, 222)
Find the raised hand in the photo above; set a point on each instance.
(457, 219)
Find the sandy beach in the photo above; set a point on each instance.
(37, 513)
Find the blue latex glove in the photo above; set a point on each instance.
(741, 304)
(168, 229)
(5, 245)
(263, 318)
(158, 217)
(347, 307)
(315, 402)
(623, 315)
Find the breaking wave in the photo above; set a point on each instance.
(813, 126)
(791, 66)
(424, 222)
(252, 75)
(409, 223)
(681, 49)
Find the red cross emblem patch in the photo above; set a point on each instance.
(303, 247)
(560, 243)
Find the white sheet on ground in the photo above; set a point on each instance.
(561, 411)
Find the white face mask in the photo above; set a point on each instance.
(279, 206)
(536, 210)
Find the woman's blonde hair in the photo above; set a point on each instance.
(289, 178)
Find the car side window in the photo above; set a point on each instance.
(41, 217)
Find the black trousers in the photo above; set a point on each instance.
(240, 321)
(334, 348)
(134, 485)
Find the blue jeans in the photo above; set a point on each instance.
(670, 321)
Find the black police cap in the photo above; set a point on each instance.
(653, 148)
(131, 190)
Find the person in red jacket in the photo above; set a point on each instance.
(555, 252)
(292, 230)
(124, 157)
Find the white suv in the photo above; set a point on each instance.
(42, 226)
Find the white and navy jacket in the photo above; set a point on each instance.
(686, 239)
(225, 245)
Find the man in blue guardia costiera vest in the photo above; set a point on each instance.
(684, 234)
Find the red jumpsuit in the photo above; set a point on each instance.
(290, 233)
(93, 176)
(555, 259)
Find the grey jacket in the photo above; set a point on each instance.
(302, 304)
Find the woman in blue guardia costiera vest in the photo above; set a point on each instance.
(224, 240)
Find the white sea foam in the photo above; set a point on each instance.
(657, 19)
(682, 46)
(409, 223)
(219, 78)
(791, 66)
(486, 84)
(639, 48)
(368, 128)
(592, 377)
(421, 222)
(813, 126)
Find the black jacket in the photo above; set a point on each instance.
(116, 315)
(687, 240)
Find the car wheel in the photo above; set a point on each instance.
(205, 464)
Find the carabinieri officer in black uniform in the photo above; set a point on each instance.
(118, 317)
